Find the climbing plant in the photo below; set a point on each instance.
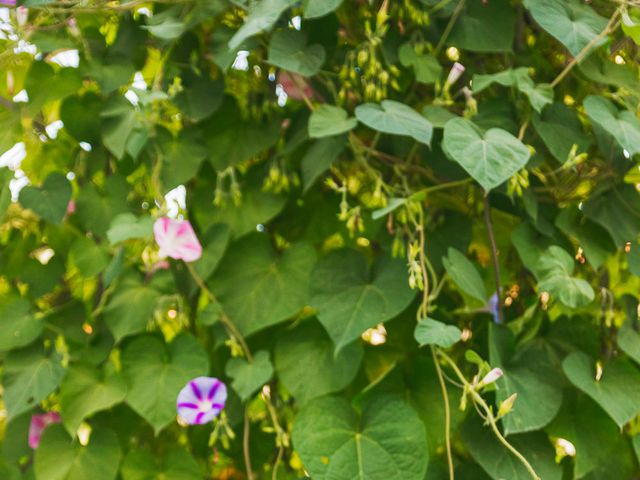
(327, 239)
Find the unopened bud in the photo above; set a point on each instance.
(455, 73)
(491, 377)
(507, 405)
(22, 15)
(566, 447)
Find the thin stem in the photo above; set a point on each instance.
(447, 414)
(422, 194)
(489, 414)
(245, 444)
(232, 330)
(424, 307)
(494, 254)
(276, 465)
(611, 26)
(449, 27)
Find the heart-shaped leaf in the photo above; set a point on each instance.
(307, 353)
(465, 274)
(386, 442)
(130, 309)
(395, 118)
(175, 465)
(574, 24)
(425, 67)
(155, 373)
(88, 257)
(288, 49)
(539, 95)
(328, 120)
(320, 157)
(624, 126)
(127, 226)
(485, 27)
(261, 17)
(351, 297)
(50, 200)
(554, 269)
(617, 391)
(86, 390)
(249, 377)
(560, 129)
(18, 326)
(490, 157)
(60, 458)
(433, 332)
(319, 8)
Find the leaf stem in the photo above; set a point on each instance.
(447, 413)
(494, 254)
(245, 444)
(449, 27)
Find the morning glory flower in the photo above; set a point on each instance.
(454, 74)
(201, 400)
(177, 239)
(38, 424)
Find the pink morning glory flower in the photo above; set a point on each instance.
(201, 400)
(38, 424)
(454, 74)
(177, 239)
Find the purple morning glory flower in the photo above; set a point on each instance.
(201, 400)
(493, 307)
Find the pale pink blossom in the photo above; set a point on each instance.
(22, 15)
(71, 207)
(38, 424)
(176, 239)
(295, 86)
(491, 377)
(455, 73)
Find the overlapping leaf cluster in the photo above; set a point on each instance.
(380, 235)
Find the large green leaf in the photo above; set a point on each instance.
(288, 49)
(617, 391)
(425, 67)
(629, 342)
(155, 374)
(623, 125)
(351, 296)
(320, 157)
(127, 226)
(81, 117)
(307, 353)
(89, 258)
(50, 200)
(86, 390)
(560, 129)
(29, 376)
(485, 27)
(433, 332)
(539, 95)
(618, 211)
(215, 243)
(501, 464)
(319, 8)
(490, 157)
(531, 373)
(465, 274)
(395, 118)
(177, 464)
(385, 442)
(18, 325)
(328, 120)
(554, 270)
(262, 16)
(122, 129)
(247, 376)
(60, 458)
(259, 288)
(573, 23)
(131, 309)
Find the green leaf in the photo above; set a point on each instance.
(560, 129)
(432, 332)
(29, 376)
(395, 118)
(631, 25)
(394, 203)
(629, 342)
(485, 27)
(624, 126)
(259, 288)
(249, 377)
(385, 442)
(288, 49)
(201, 97)
(464, 274)
(307, 366)
(592, 238)
(131, 309)
(60, 458)
(531, 372)
(127, 226)
(328, 120)
(86, 390)
(176, 464)
(572, 23)
(499, 463)
(215, 243)
(81, 117)
(351, 296)
(617, 391)
(50, 200)
(554, 270)
(438, 116)
(182, 156)
(617, 211)
(426, 67)
(319, 8)
(89, 258)
(155, 373)
(93, 207)
(490, 157)
(121, 127)
(169, 28)
(262, 17)
(18, 325)
(539, 95)
(320, 157)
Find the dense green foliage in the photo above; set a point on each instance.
(420, 224)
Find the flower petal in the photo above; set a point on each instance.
(38, 424)
(177, 239)
(201, 400)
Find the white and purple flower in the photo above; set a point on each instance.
(177, 239)
(201, 400)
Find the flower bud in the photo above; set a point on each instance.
(507, 405)
(22, 15)
(454, 74)
(491, 377)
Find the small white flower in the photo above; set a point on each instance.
(491, 377)
(455, 73)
